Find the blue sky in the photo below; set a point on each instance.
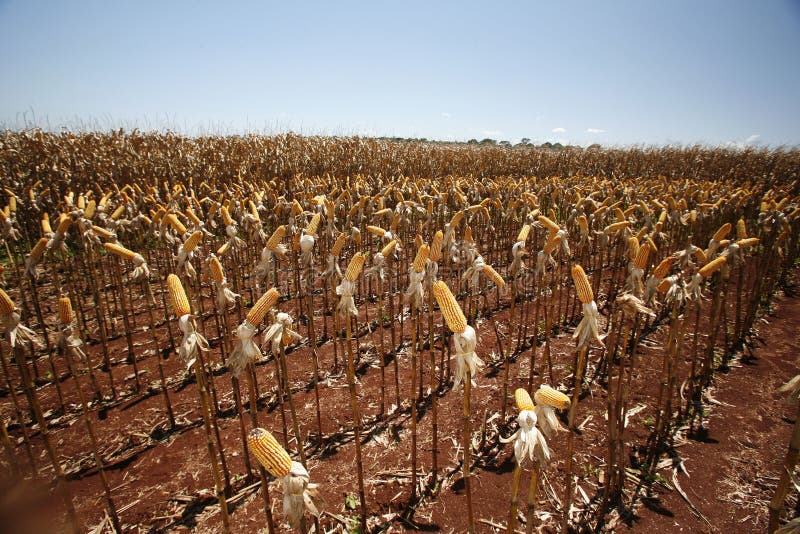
(614, 72)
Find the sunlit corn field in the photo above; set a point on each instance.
(274, 334)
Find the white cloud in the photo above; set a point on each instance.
(595, 130)
(491, 133)
(752, 139)
(559, 130)
(446, 115)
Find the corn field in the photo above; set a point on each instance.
(237, 334)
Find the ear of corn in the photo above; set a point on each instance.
(192, 241)
(421, 258)
(451, 311)
(46, 228)
(523, 400)
(262, 306)
(523, 233)
(176, 224)
(712, 267)
(354, 267)
(376, 230)
(435, 253)
(119, 250)
(456, 219)
(642, 256)
(276, 237)
(549, 223)
(583, 224)
(741, 229)
(91, 206)
(663, 267)
(618, 226)
(338, 245)
(633, 248)
(468, 235)
(269, 452)
(226, 216)
(552, 243)
(582, 286)
(389, 248)
(217, 273)
(747, 242)
(664, 285)
(313, 224)
(177, 296)
(701, 257)
(6, 304)
(552, 397)
(64, 310)
(494, 276)
(39, 248)
(720, 234)
(64, 224)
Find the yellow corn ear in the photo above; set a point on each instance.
(618, 226)
(117, 212)
(418, 242)
(701, 257)
(354, 267)
(313, 224)
(468, 235)
(551, 244)
(226, 216)
(177, 296)
(6, 304)
(262, 306)
(747, 242)
(549, 223)
(619, 214)
(217, 273)
(435, 253)
(39, 248)
(119, 250)
(46, 228)
(523, 233)
(523, 399)
(722, 233)
(664, 267)
(582, 286)
(376, 230)
(451, 311)
(269, 452)
(494, 276)
(91, 206)
(421, 258)
(389, 248)
(741, 229)
(712, 267)
(192, 241)
(552, 397)
(64, 310)
(176, 224)
(633, 248)
(102, 232)
(192, 217)
(276, 237)
(456, 219)
(64, 224)
(338, 245)
(642, 255)
(253, 210)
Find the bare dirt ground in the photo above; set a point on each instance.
(161, 481)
